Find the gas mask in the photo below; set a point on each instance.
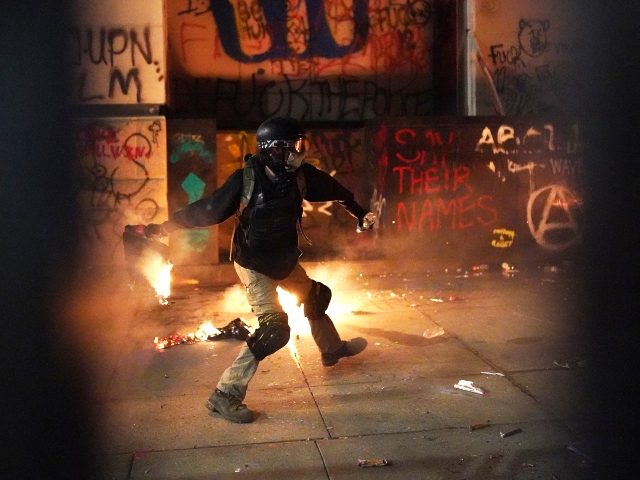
(284, 156)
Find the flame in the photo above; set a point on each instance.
(202, 333)
(205, 330)
(297, 321)
(234, 300)
(338, 307)
(158, 272)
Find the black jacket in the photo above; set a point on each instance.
(274, 260)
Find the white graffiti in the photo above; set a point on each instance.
(506, 140)
(514, 167)
(564, 166)
(554, 225)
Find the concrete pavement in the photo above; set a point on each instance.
(426, 330)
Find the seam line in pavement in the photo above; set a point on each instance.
(306, 381)
(324, 464)
(507, 375)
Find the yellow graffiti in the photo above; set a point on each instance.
(504, 238)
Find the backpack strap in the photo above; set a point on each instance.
(248, 183)
(301, 181)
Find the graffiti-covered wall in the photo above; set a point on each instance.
(478, 189)
(123, 169)
(117, 52)
(245, 60)
(529, 51)
(192, 169)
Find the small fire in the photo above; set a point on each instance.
(158, 272)
(202, 333)
(297, 321)
(234, 297)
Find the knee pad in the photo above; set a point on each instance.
(272, 334)
(317, 301)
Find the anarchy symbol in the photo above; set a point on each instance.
(555, 227)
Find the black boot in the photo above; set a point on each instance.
(229, 407)
(348, 349)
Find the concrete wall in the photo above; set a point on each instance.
(244, 60)
(192, 175)
(230, 64)
(529, 49)
(479, 190)
(117, 53)
(122, 165)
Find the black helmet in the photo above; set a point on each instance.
(278, 128)
(282, 140)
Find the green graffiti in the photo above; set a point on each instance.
(188, 148)
(197, 239)
(193, 186)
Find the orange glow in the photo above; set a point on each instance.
(297, 321)
(338, 307)
(203, 332)
(158, 272)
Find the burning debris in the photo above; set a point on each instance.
(236, 328)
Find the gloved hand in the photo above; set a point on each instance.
(160, 229)
(155, 230)
(134, 229)
(366, 222)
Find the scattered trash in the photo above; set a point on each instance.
(498, 374)
(433, 332)
(561, 365)
(569, 364)
(508, 270)
(551, 269)
(479, 426)
(373, 462)
(528, 465)
(510, 432)
(450, 298)
(468, 386)
(480, 268)
(236, 328)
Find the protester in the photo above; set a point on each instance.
(266, 196)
